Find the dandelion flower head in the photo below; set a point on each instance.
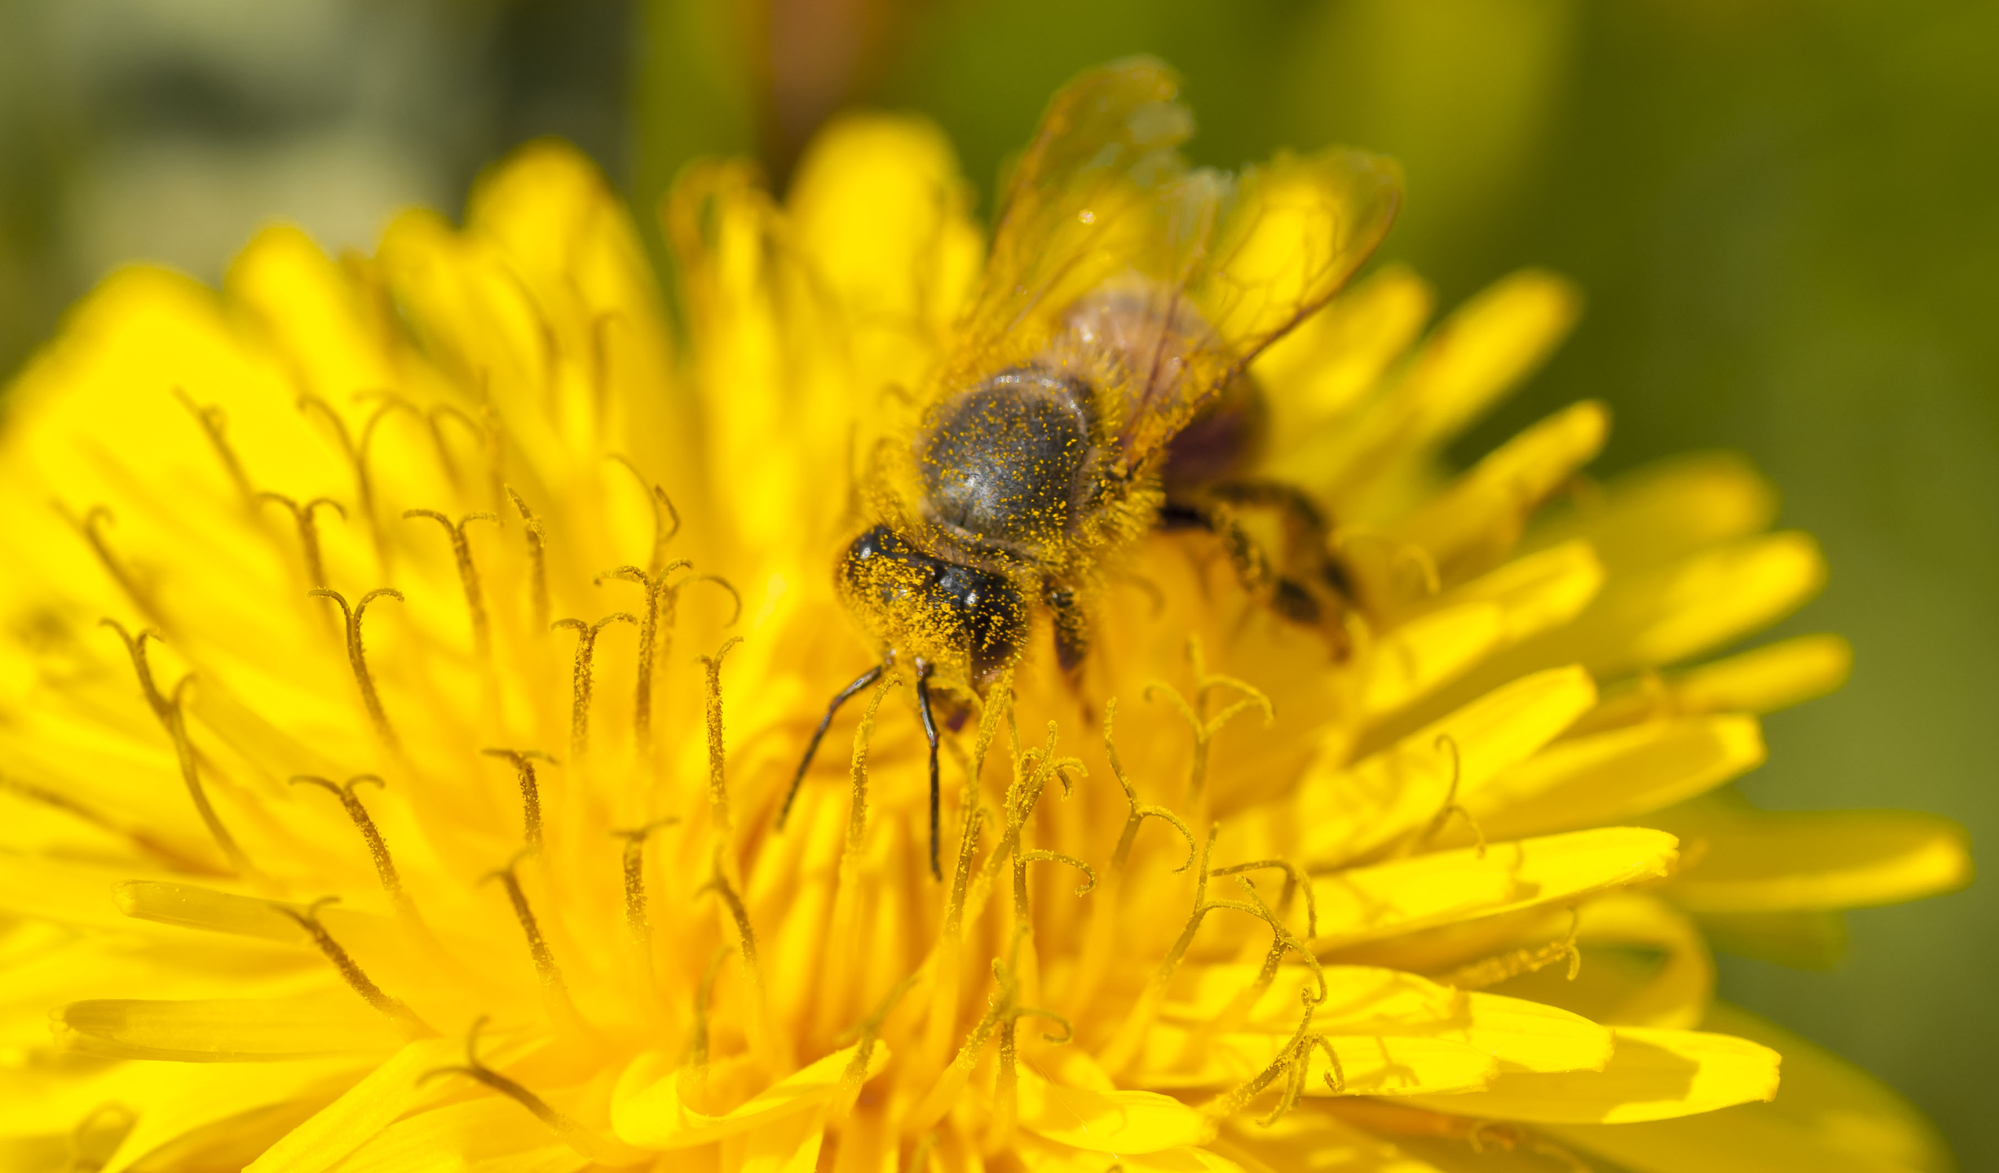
(406, 656)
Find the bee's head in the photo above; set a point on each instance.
(968, 622)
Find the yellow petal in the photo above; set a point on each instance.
(1532, 1036)
(311, 312)
(1307, 1138)
(1668, 510)
(647, 1110)
(879, 210)
(1475, 523)
(1176, 1057)
(1044, 1156)
(1533, 594)
(181, 1098)
(1828, 1116)
(233, 1029)
(1539, 590)
(361, 1111)
(1644, 963)
(1763, 680)
(490, 1134)
(205, 908)
(1333, 357)
(1415, 657)
(1771, 861)
(1701, 602)
(1108, 1121)
(1370, 903)
(1429, 650)
(1654, 1075)
(1344, 811)
(1611, 777)
(1366, 1001)
(1486, 347)
(787, 1145)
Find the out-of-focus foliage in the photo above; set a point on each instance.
(1780, 211)
(169, 129)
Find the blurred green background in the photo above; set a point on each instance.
(1783, 214)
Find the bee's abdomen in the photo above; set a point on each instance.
(1003, 461)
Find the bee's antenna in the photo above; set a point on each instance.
(930, 734)
(812, 747)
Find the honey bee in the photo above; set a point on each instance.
(1097, 389)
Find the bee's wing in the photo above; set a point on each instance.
(1102, 200)
(1087, 201)
(1296, 230)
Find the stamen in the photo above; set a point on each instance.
(523, 761)
(385, 867)
(1294, 1061)
(635, 878)
(386, 1004)
(1036, 856)
(357, 456)
(1125, 1045)
(998, 704)
(1205, 727)
(139, 593)
(488, 436)
(1139, 813)
(746, 935)
(586, 647)
(1491, 971)
(718, 789)
(945, 1089)
(868, 1033)
(662, 511)
(657, 595)
(215, 425)
(468, 574)
(968, 847)
(857, 776)
(537, 561)
(697, 1035)
(357, 657)
(1450, 805)
(544, 961)
(308, 531)
(586, 1143)
(1101, 940)
(170, 713)
(1006, 1085)
(1282, 942)
(1401, 555)
(1295, 880)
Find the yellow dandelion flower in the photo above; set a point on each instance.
(407, 656)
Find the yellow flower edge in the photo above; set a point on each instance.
(468, 860)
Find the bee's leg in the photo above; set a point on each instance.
(930, 734)
(811, 747)
(1295, 600)
(1072, 627)
(1307, 531)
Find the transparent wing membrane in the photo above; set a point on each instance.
(1106, 238)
